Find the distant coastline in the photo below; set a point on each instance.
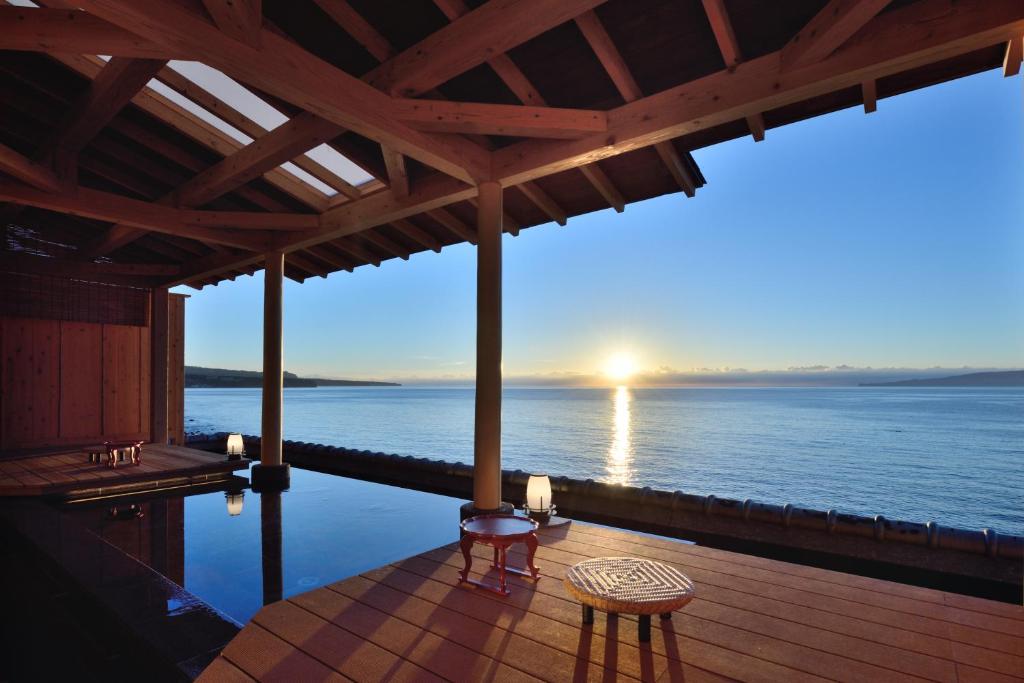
(220, 378)
(1009, 378)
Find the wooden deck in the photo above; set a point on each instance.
(752, 619)
(66, 471)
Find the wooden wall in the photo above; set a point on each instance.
(69, 383)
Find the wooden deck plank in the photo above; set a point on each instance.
(752, 619)
(64, 471)
(859, 596)
(927, 655)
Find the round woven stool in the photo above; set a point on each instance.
(628, 585)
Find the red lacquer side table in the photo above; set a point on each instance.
(499, 532)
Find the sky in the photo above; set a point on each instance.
(893, 240)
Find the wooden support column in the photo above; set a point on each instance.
(272, 473)
(487, 435)
(158, 365)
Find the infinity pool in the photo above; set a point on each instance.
(324, 528)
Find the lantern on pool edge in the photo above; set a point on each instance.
(236, 447)
(538, 498)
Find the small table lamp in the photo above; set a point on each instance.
(538, 498)
(236, 447)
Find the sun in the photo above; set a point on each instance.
(620, 366)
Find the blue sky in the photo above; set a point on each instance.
(894, 239)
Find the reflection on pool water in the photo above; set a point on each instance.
(323, 529)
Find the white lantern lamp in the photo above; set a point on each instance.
(538, 498)
(236, 447)
(235, 500)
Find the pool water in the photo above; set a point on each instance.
(323, 529)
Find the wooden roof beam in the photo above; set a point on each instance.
(286, 70)
(416, 234)
(493, 28)
(829, 29)
(398, 177)
(611, 59)
(544, 202)
(869, 92)
(329, 256)
(475, 118)
(1012, 56)
(245, 230)
(117, 83)
(349, 247)
(72, 32)
(301, 133)
(516, 81)
(239, 19)
(916, 35)
(27, 171)
(356, 26)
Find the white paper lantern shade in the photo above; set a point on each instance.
(538, 497)
(236, 447)
(235, 500)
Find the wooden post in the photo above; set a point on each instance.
(158, 366)
(487, 435)
(273, 370)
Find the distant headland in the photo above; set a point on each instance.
(197, 377)
(1008, 378)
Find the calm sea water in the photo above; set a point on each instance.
(953, 455)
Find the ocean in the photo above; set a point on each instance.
(952, 455)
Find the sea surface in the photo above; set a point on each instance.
(952, 455)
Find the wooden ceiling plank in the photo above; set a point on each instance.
(827, 30)
(493, 28)
(477, 118)
(611, 59)
(1013, 55)
(72, 32)
(416, 234)
(544, 202)
(398, 176)
(600, 180)
(916, 35)
(386, 243)
(27, 171)
(286, 70)
(239, 19)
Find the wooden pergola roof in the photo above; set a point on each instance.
(572, 105)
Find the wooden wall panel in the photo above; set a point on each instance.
(30, 381)
(122, 409)
(176, 368)
(81, 380)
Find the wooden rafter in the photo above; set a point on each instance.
(356, 26)
(721, 25)
(286, 70)
(416, 234)
(611, 59)
(1012, 56)
(346, 245)
(26, 170)
(69, 32)
(605, 186)
(869, 91)
(453, 224)
(493, 28)
(240, 19)
(385, 243)
(830, 28)
(544, 202)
